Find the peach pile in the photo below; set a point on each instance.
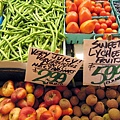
(28, 101)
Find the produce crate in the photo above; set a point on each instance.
(116, 6)
(101, 35)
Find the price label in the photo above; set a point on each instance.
(48, 68)
(103, 67)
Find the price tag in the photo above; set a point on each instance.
(101, 62)
(48, 68)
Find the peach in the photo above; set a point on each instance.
(4, 117)
(39, 90)
(39, 111)
(14, 113)
(91, 99)
(29, 87)
(1, 94)
(27, 113)
(6, 106)
(30, 98)
(19, 93)
(8, 88)
(22, 103)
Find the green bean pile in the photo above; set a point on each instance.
(30, 23)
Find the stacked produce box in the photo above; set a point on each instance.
(47, 25)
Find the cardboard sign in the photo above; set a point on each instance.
(101, 62)
(48, 68)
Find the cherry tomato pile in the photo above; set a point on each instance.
(108, 25)
(81, 13)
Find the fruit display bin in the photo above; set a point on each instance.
(116, 6)
(114, 36)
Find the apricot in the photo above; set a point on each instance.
(74, 100)
(90, 89)
(112, 103)
(86, 109)
(114, 114)
(75, 118)
(81, 95)
(100, 93)
(91, 99)
(97, 118)
(77, 111)
(67, 93)
(64, 103)
(84, 118)
(111, 93)
(66, 117)
(99, 107)
(92, 114)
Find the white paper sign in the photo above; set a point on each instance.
(101, 62)
(48, 68)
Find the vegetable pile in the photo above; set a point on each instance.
(30, 23)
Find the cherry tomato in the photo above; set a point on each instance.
(105, 3)
(108, 22)
(103, 13)
(112, 18)
(107, 8)
(114, 26)
(103, 25)
(101, 31)
(108, 30)
(101, 20)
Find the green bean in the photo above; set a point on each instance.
(31, 23)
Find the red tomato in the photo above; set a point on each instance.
(56, 111)
(68, 3)
(108, 14)
(72, 27)
(97, 26)
(78, 2)
(98, 5)
(71, 7)
(103, 13)
(107, 8)
(103, 25)
(94, 14)
(105, 3)
(114, 26)
(108, 22)
(101, 31)
(97, 9)
(108, 30)
(52, 97)
(71, 16)
(101, 20)
(92, 9)
(112, 18)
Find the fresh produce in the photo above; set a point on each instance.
(108, 25)
(75, 106)
(87, 26)
(30, 24)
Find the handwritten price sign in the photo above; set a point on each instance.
(101, 62)
(48, 68)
